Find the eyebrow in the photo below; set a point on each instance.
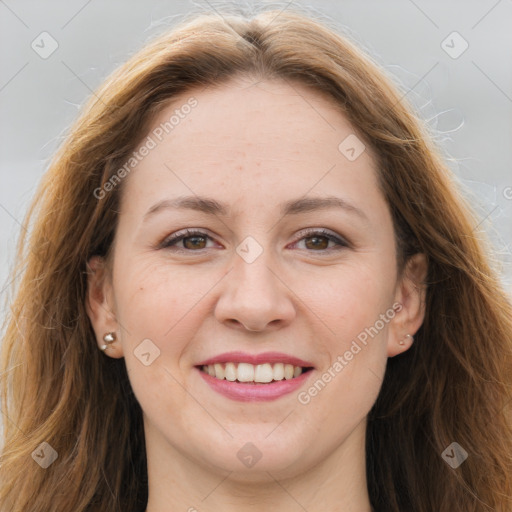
(292, 207)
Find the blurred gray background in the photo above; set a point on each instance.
(452, 59)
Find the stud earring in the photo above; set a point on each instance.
(402, 341)
(109, 338)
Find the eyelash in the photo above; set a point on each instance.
(172, 240)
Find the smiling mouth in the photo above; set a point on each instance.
(247, 373)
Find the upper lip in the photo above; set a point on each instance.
(264, 357)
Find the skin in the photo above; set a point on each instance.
(253, 145)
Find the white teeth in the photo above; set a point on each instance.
(279, 371)
(245, 372)
(263, 373)
(230, 372)
(219, 371)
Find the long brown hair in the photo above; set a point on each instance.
(453, 385)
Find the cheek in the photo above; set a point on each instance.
(151, 298)
(353, 336)
(155, 317)
(355, 308)
(349, 298)
(166, 305)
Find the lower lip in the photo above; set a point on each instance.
(254, 392)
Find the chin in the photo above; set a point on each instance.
(252, 460)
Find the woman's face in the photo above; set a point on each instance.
(271, 273)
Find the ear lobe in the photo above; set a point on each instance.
(98, 301)
(411, 293)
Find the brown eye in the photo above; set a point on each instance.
(317, 242)
(194, 242)
(187, 240)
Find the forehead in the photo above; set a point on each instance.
(281, 115)
(255, 138)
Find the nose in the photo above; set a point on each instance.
(254, 298)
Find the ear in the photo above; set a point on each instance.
(99, 305)
(410, 296)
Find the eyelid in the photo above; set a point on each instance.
(178, 236)
(331, 235)
(181, 234)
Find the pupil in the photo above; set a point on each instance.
(316, 239)
(194, 244)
